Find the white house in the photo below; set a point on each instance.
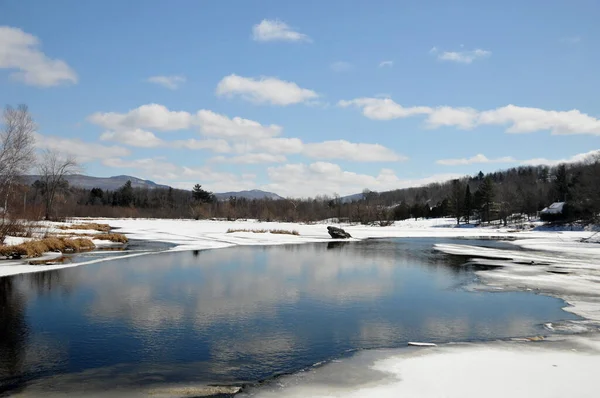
(554, 208)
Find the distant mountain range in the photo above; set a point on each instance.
(253, 194)
(115, 182)
(110, 183)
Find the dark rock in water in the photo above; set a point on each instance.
(335, 245)
(338, 233)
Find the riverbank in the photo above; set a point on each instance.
(553, 263)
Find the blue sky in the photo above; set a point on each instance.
(305, 98)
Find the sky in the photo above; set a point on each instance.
(305, 98)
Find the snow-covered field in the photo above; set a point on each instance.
(554, 263)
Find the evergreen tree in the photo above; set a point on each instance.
(468, 204)
(126, 194)
(486, 196)
(201, 195)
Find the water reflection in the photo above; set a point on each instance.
(247, 313)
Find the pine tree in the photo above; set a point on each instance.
(487, 194)
(126, 194)
(201, 195)
(468, 204)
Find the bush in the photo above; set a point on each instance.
(87, 226)
(114, 237)
(36, 248)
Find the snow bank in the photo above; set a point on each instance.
(493, 370)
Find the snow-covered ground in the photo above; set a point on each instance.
(554, 262)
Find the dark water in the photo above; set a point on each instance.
(246, 313)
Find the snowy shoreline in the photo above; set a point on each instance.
(553, 263)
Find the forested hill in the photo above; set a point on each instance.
(481, 198)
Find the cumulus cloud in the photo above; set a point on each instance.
(358, 152)
(340, 66)
(302, 180)
(218, 145)
(264, 90)
(239, 135)
(83, 151)
(20, 51)
(271, 145)
(462, 57)
(578, 158)
(519, 119)
(215, 124)
(135, 137)
(276, 30)
(479, 158)
(150, 116)
(384, 64)
(165, 172)
(529, 120)
(170, 82)
(384, 108)
(251, 158)
(447, 116)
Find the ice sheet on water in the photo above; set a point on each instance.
(497, 370)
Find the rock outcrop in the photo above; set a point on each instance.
(338, 233)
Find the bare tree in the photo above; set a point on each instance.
(17, 145)
(53, 167)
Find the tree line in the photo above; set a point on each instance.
(481, 198)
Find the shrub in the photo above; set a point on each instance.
(87, 226)
(35, 248)
(114, 237)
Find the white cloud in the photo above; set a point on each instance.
(219, 145)
(384, 108)
(170, 82)
(461, 57)
(479, 158)
(151, 116)
(214, 124)
(358, 152)
(520, 119)
(271, 145)
(20, 50)
(302, 180)
(433, 50)
(83, 151)
(135, 137)
(383, 64)
(276, 30)
(251, 158)
(448, 116)
(154, 168)
(340, 66)
(529, 120)
(164, 172)
(579, 158)
(264, 90)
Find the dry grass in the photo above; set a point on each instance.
(93, 226)
(35, 248)
(265, 231)
(113, 237)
